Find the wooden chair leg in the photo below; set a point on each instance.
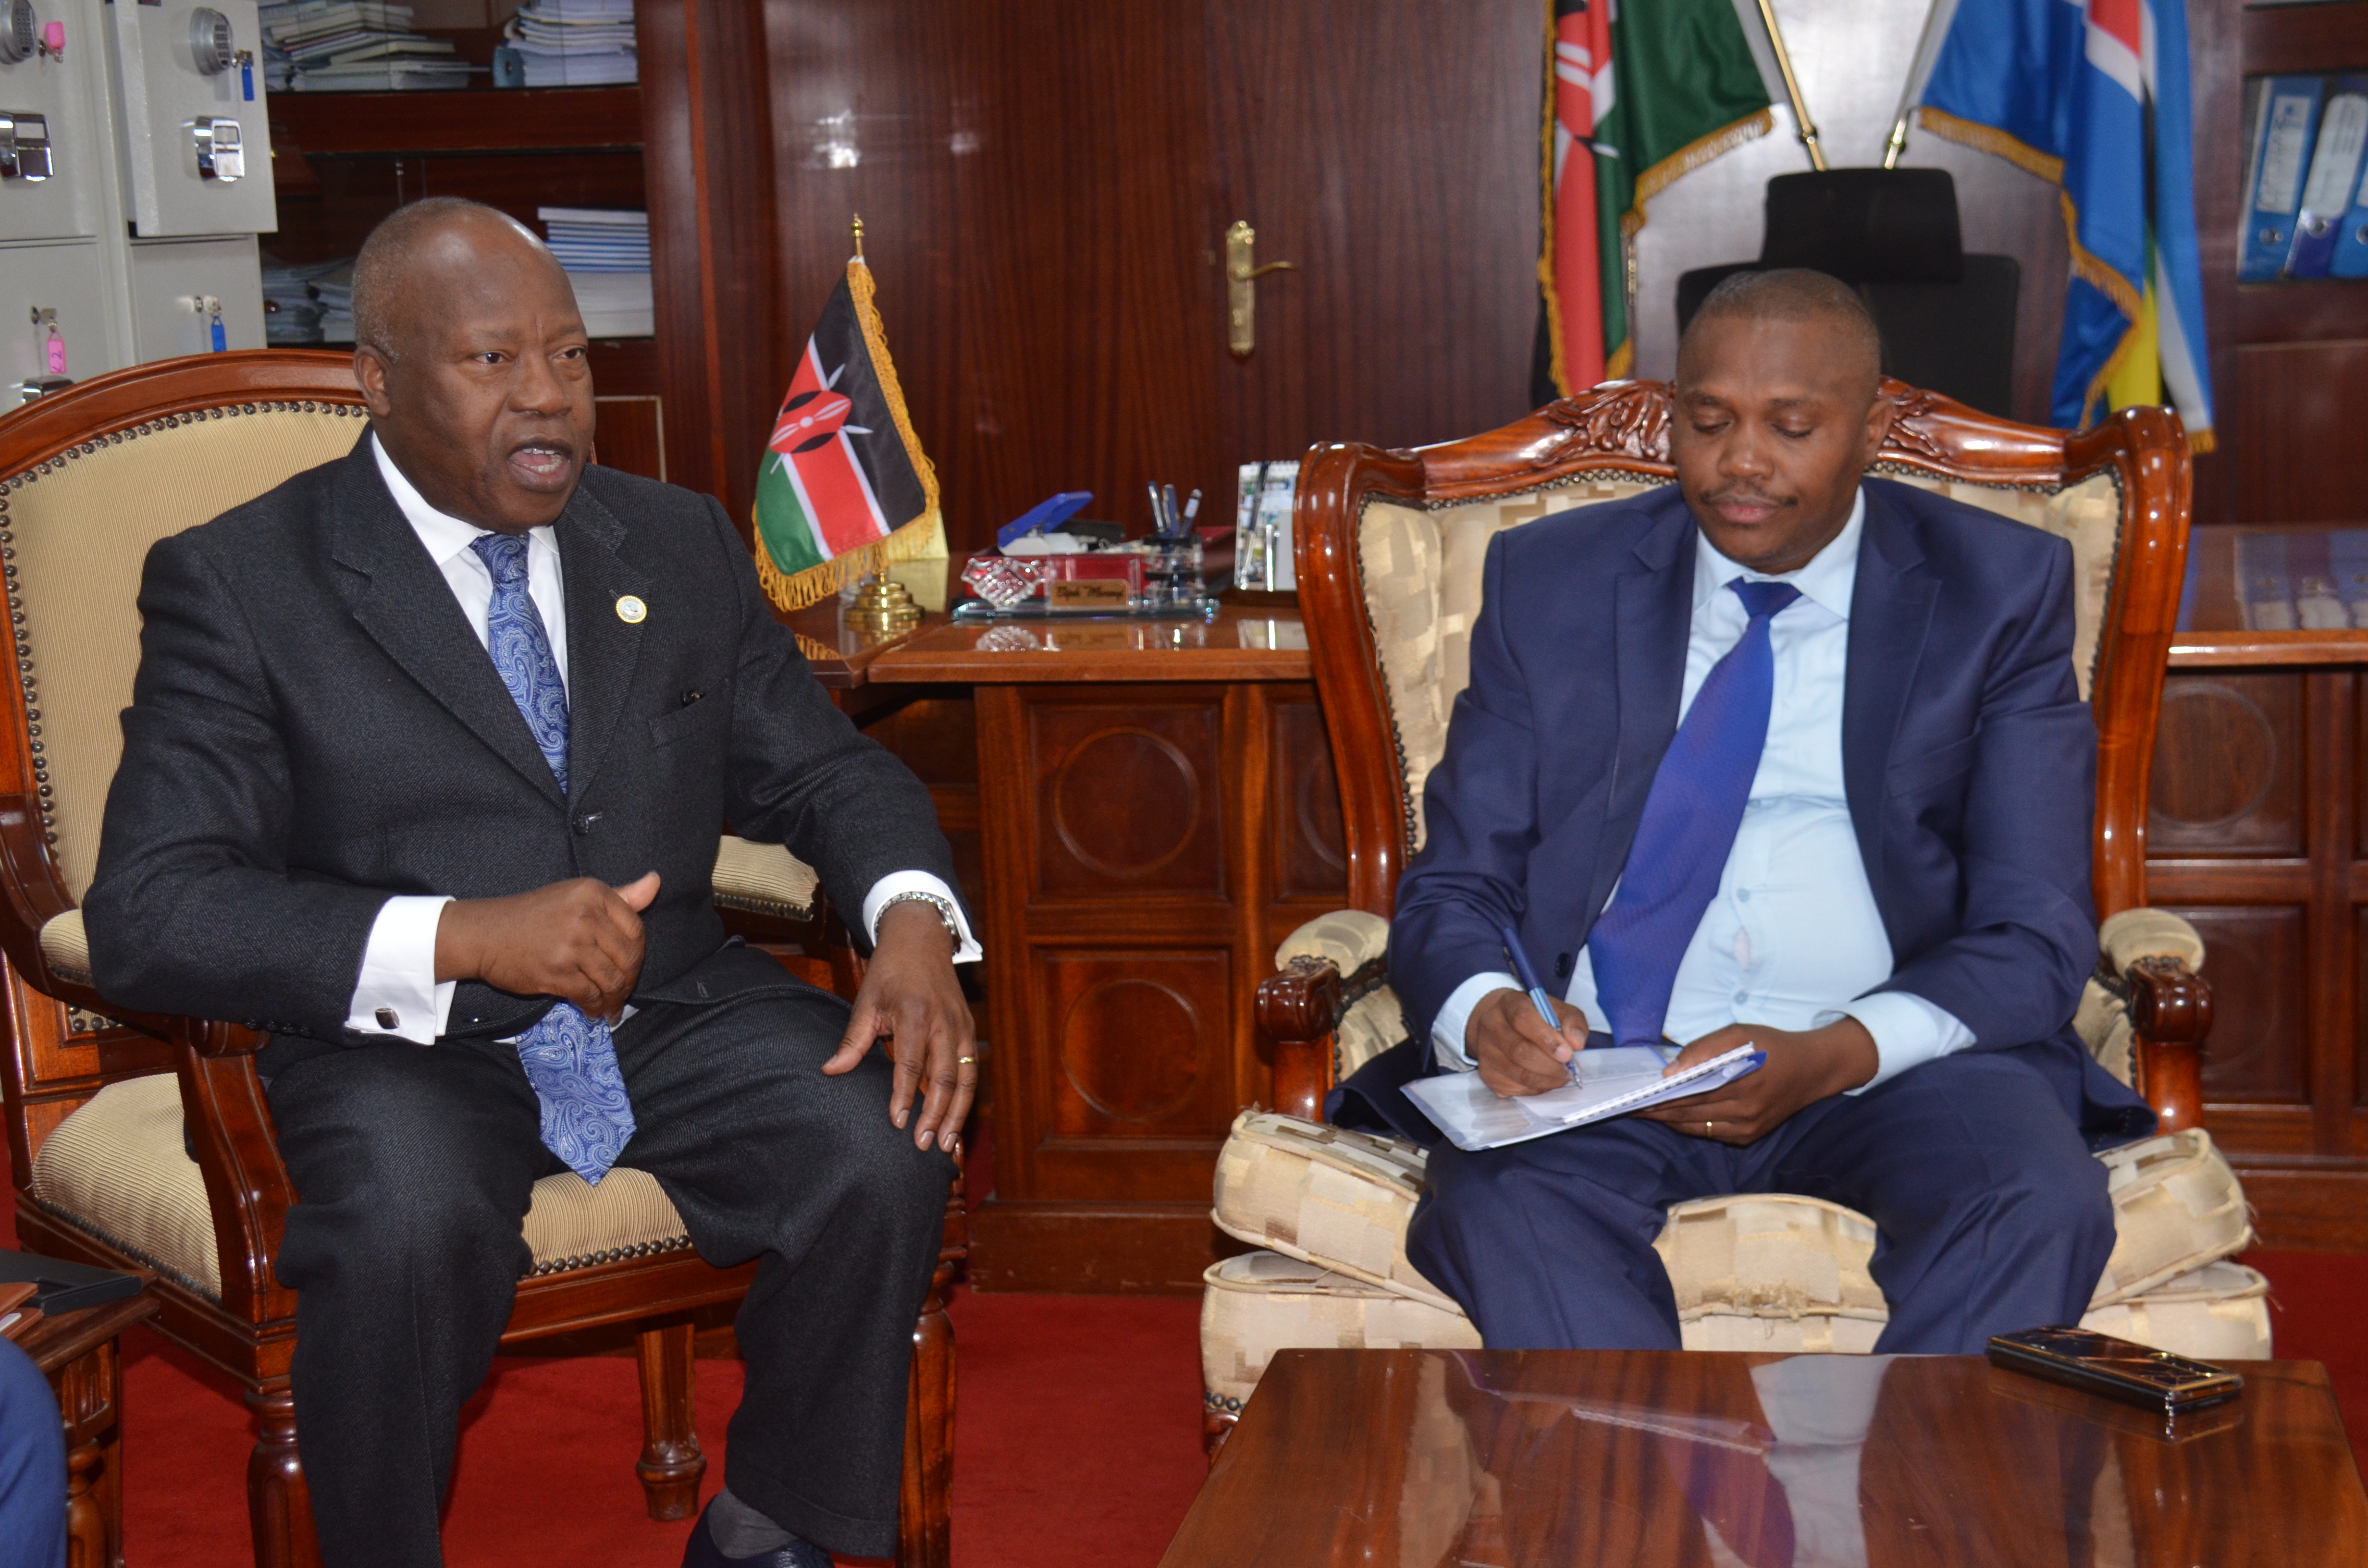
(924, 1507)
(671, 1463)
(278, 1507)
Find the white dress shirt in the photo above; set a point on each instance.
(1793, 938)
(399, 961)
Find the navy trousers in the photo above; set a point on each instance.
(1992, 1212)
(32, 1467)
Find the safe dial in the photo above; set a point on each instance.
(17, 31)
(210, 40)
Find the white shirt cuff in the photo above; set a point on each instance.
(1907, 1031)
(1455, 1017)
(398, 977)
(966, 947)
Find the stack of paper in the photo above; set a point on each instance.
(291, 307)
(574, 43)
(607, 255)
(335, 288)
(350, 46)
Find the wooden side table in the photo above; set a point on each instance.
(76, 1351)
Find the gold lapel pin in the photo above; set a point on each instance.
(631, 610)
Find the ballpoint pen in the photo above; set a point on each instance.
(1528, 978)
(1191, 512)
(1158, 517)
(1174, 526)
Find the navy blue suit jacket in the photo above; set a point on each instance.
(1968, 756)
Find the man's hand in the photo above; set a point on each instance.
(1517, 1053)
(910, 995)
(579, 940)
(1800, 1068)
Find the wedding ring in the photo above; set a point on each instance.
(1708, 1125)
(964, 1060)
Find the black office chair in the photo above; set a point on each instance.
(1947, 318)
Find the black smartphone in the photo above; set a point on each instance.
(2118, 1369)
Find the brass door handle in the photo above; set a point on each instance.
(1241, 287)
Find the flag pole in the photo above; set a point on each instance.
(1918, 67)
(859, 238)
(1808, 128)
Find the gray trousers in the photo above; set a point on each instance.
(413, 1170)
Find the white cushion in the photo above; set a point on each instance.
(117, 1168)
(1260, 1302)
(1325, 1195)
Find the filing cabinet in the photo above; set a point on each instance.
(186, 79)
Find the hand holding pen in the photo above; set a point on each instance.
(1524, 1041)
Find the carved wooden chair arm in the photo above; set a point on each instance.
(2170, 1009)
(1298, 1008)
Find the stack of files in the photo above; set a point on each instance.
(2307, 178)
(607, 256)
(347, 46)
(335, 288)
(292, 309)
(574, 43)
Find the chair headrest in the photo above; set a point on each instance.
(1866, 225)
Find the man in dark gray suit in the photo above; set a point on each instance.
(468, 895)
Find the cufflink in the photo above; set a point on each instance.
(388, 1019)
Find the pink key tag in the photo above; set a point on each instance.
(55, 351)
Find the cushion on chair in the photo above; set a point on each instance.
(2135, 933)
(1260, 1302)
(1350, 938)
(65, 947)
(117, 1169)
(1373, 1023)
(81, 534)
(1324, 1194)
(1774, 1255)
(764, 879)
(2176, 1206)
(2218, 1312)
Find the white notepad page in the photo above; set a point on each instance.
(1610, 1081)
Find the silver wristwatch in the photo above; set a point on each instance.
(944, 908)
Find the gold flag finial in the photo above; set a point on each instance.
(859, 236)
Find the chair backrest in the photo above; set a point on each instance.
(89, 479)
(1391, 546)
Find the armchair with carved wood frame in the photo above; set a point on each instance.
(97, 1099)
(1390, 545)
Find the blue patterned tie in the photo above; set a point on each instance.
(1690, 816)
(569, 1058)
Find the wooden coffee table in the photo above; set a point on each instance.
(1640, 1459)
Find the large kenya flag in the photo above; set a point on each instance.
(1641, 92)
(844, 488)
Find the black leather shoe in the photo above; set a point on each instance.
(701, 1551)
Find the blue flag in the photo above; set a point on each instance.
(2094, 96)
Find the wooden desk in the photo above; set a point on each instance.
(78, 1352)
(2258, 835)
(1156, 810)
(1493, 1459)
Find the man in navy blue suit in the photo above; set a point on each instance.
(1779, 753)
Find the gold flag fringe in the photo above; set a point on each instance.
(922, 538)
(1687, 159)
(1990, 139)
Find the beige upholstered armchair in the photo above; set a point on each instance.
(146, 1140)
(1390, 554)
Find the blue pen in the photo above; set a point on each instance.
(1528, 978)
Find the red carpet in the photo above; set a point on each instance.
(1078, 1435)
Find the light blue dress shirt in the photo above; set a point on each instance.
(1793, 938)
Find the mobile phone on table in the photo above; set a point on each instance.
(2118, 1369)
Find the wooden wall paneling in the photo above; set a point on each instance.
(2299, 405)
(1033, 179)
(632, 432)
(1401, 178)
(1310, 843)
(707, 162)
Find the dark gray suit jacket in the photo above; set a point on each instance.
(315, 727)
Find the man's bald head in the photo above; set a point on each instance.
(400, 253)
(472, 357)
(1797, 294)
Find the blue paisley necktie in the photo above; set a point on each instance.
(569, 1058)
(1691, 814)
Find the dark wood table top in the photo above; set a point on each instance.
(2216, 626)
(1645, 1459)
(1243, 642)
(68, 1336)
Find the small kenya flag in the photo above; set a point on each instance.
(844, 488)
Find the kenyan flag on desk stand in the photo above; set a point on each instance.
(845, 488)
(1638, 92)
